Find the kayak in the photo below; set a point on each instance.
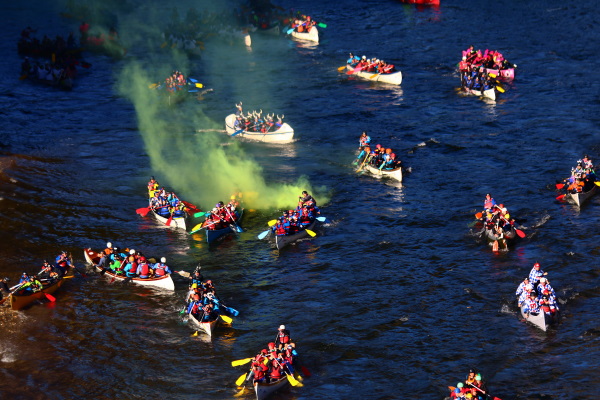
(211, 236)
(264, 390)
(581, 197)
(489, 93)
(541, 319)
(422, 2)
(312, 35)
(20, 300)
(283, 240)
(285, 133)
(393, 173)
(163, 282)
(395, 78)
(207, 327)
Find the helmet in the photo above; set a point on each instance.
(532, 294)
(232, 197)
(281, 326)
(209, 282)
(378, 146)
(108, 244)
(364, 132)
(460, 384)
(457, 390)
(536, 265)
(478, 377)
(546, 292)
(132, 251)
(163, 260)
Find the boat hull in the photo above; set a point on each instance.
(580, 198)
(211, 236)
(164, 282)
(422, 2)
(19, 301)
(176, 222)
(285, 133)
(395, 78)
(207, 327)
(312, 36)
(541, 319)
(264, 390)
(393, 174)
(284, 240)
(489, 93)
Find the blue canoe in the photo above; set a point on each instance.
(211, 236)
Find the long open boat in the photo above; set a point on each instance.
(489, 93)
(422, 2)
(581, 197)
(541, 319)
(284, 240)
(312, 35)
(395, 78)
(394, 173)
(285, 133)
(20, 300)
(163, 282)
(207, 327)
(264, 390)
(211, 236)
(509, 237)
(177, 222)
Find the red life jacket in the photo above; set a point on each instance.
(133, 268)
(145, 269)
(284, 338)
(160, 270)
(259, 371)
(275, 370)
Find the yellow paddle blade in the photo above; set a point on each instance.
(298, 376)
(197, 227)
(241, 392)
(342, 68)
(199, 85)
(493, 75)
(243, 361)
(597, 183)
(240, 380)
(226, 318)
(500, 89)
(272, 222)
(293, 381)
(195, 333)
(311, 233)
(152, 86)
(373, 76)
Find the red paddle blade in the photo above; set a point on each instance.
(478, 215)
(520, 233)
(305, 371)
(143, 211)
(50, 297)
(560, 185)
(562, 196)
(350, 72)
(168, 223)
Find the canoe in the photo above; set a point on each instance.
(285, 133)
(394, 173)
(284, 240)
(207, 327)
(19, 301)
(395, 78)
(581, 197)
(64, 83)
(312, 36)
(264, 390)
(211, 236)
(504, 74)
(422, 2)
(541, 319)
(176, 222)
(489, 93)
(164, 282)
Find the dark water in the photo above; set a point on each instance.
(395, 296)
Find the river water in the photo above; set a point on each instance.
(395, 298)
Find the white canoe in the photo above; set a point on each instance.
(176, 222)
(207, 327)
(395, 78)
(264, 390)
(164, 282)
(285, 133)
(312, 36)
(582, 197)
(489, 93)
(394, 174)
(284, 240)
(541, 319)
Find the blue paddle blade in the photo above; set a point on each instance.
(193, 90)
(233, 311)
(290, 31)
(240, 230)
(263, 235)
(193, 80)
(237, 132)
(321, 219)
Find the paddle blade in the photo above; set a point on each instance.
(195, 334)
(199, 85)
(562, 185)
(321, 219)
(311, 233)
(263, 235)
(197, 227)
(305, 371)
(199, 214)
(152, 86)
(289, 31)
(322, 25)
(500, 89)
(50, 297)
(520, 233)
(241, 392)
(237, 132)
(562, 196)
(227, 319)
(342, 68)
(143, 211)
(237, 228)
(272, 222)
(493, 75)
(168, 223)
(243, 361)
(373, 76)
(495, 246)
(293, 380)
(240, 380)
(232, 311)
(478, 215)
(597, 183)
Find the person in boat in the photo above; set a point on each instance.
(62, 263)
(4, 289)
(48, 271)
(353, 60)
(531, 304)
(363, 141)
(117, 264)
(479, 384)
(143, 269)
(488, 202)
(152, 187)
(522, 286)
(105, 256)
(161, 269)
(276, 371)
(283, 337)
(544, 286)
(259, 371)
(535, 274)
(196, 279)
(307, 199)
(32, 285)
(131, 265)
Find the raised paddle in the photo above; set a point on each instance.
(272, 222)
(264, 234)
(561, 185)
(243, 361)
(353, 71)
(143, 211)
(239, 381)
(520, 233)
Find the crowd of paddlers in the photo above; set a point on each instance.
(535, 294)
(490, 59)
(370, 64)
(222, 215)
(378, 157)
(472, 388)
(164, 203)
(131, 263)
(255, 122)
(202, 301)
(298, 219)
(46, 47)
(582, 179)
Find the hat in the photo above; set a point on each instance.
(459, 384)
(108, 244)
(281, 326)
(132, 251)
(536, 265)
(163, 260)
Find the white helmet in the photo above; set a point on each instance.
(132, 251)
(163, 260)
(109, 245)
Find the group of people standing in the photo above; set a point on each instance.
(131, 263)
(255, 122)
(535, 294)
(294, 221)
(379, 157)
(370, 64)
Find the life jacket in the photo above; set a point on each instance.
(276, 371)
(487, 204)
(132, 267)
(280, 229)
(160, 269)
(145, 269)
(283, 336)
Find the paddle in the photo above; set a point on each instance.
(322, 25)
(264, 234)
(168, 223)
(311, 233)
(237, 228)
(16, 288)
(597, 183)
(272, 222)
(500, 89)
(237, 132)
(321, 219)
(290, 378)
(50, 297)
(559, 198)
(239, 381)
(143, 211)
(482, 391)
(243, 361)
(561, 185)
(225, 318)
(199, 214)
(289, 31)
(153, 85)
(353, 71)
(367, 157)
(340, 69)
(305, 371)
(374, 75)
(479, 215)
(520, 233)
(83, 275)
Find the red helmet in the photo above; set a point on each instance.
(536, 265)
